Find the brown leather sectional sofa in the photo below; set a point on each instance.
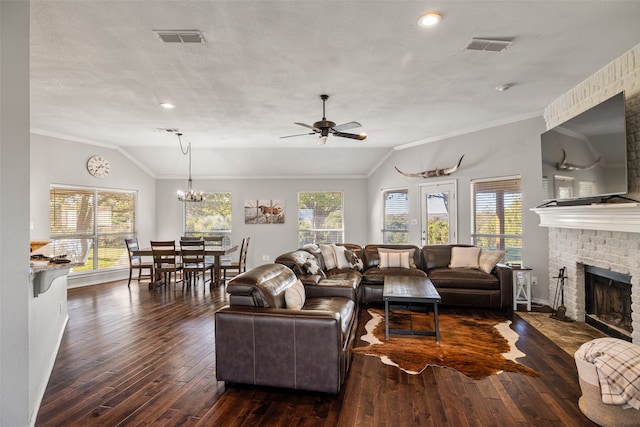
(259, 341)
(459, 287)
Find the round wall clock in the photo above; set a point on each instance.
(98, 166)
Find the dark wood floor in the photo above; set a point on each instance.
(147, 357)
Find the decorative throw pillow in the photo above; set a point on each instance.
(489, 259)
(341, 258)
(329, 256)
(295, 296)
(464, 257)
(311, 267)
(355, 262)
(398, 258)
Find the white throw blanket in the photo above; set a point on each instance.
(617, 363)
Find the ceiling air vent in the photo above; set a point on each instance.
(180, 36)
(490, 45)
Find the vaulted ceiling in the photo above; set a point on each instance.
(99, 73)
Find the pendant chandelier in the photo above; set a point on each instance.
(190, 195)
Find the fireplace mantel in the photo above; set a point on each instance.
(623, 217)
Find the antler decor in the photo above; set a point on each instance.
(564, 166)
(433, 173)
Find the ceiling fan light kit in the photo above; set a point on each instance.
(325, 127)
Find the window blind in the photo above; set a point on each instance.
(210, 217)
(94, 221)
(395, 228)
(320, 217)
(496, 215)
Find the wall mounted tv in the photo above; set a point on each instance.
(585, 158)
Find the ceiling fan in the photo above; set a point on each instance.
(325, 127)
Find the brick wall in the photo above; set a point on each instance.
(616, 251)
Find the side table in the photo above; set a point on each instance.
(521, 286)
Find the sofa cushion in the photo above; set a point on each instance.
(354, 261)
(463, 278)
(329, 257)
(489, 259)
(294, 296)
(344, 307)
(371, 257)
(311, 267)
(377, 274)
(465, 257)
(401, 258)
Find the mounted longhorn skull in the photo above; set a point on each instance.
(433, 173)
(564, 166)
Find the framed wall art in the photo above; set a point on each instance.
(264, 211)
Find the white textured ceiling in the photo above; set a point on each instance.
(99, 73)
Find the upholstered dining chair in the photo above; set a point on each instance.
(166, 262)
(239, 266)
(194, 262)
(136, 262)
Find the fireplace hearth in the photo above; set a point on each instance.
(608, 301)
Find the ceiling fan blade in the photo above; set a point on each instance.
(358, 136)
(299, 134)
(307, 126)
(345, 126)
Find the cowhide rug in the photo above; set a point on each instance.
(476, 347)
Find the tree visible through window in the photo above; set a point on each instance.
(395, 228)
(211, 217)
(320, 217)
(496, 216)
(93, 221)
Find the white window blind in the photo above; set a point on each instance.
(496, 216)
(211, 217)
(93, 221)
(320, 217)
(395, 227)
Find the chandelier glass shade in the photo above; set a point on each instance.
(189, 195)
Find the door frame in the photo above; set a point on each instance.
(448, 185)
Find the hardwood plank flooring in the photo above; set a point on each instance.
(140, 357)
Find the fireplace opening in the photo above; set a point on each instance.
(608, 301)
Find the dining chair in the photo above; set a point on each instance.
(191, 238)
(165, 259)
(136, 262)
(239, 266)
(213, 240)
(194, 262)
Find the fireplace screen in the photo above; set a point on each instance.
(608, 298)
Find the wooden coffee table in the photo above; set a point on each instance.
(406, 290)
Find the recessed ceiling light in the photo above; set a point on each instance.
(167, 105)
(429, 19)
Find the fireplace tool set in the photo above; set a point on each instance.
(559, 310)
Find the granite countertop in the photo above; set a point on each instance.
(48, 254)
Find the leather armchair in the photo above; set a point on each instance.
(259, 341)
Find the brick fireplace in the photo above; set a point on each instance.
(602, 236)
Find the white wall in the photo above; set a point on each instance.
(507, 150)
(14, 206)
(266, 239)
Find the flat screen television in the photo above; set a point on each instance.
(585, 158)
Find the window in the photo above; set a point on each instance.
(93, 221)
(320, 218)
(395, 227)
(496, 216)
(211, 217)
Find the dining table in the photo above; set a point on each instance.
(216, 251)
